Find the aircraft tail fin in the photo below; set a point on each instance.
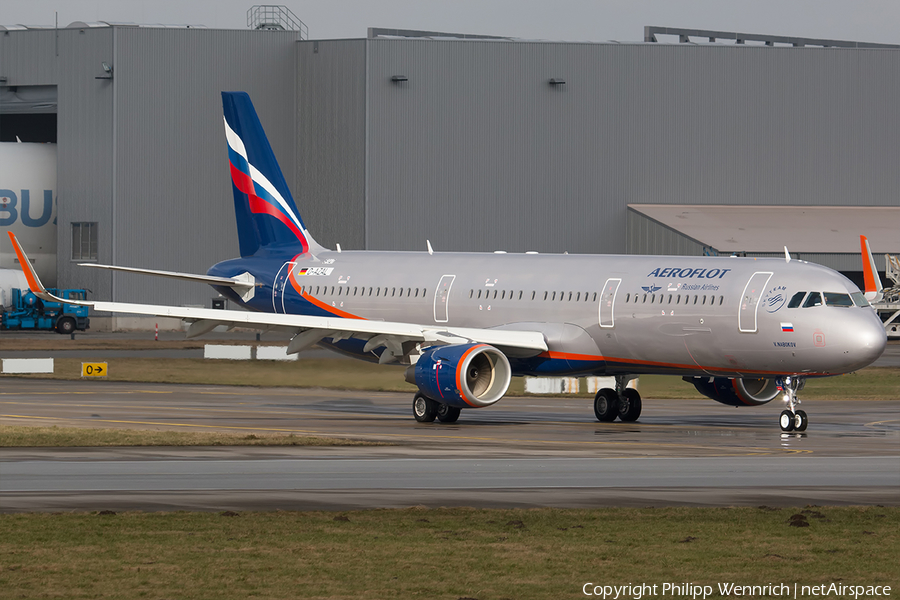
(874, 290)
(264, 208)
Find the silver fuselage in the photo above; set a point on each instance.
(612, 314)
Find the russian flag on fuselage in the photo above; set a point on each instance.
(264, 208)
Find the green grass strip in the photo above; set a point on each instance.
(440, 554)
(874, 383)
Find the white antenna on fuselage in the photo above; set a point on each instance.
(430, 249)
(787, 255)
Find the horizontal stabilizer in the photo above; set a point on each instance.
(210, 279)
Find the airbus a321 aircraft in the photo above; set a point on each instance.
(744, 331)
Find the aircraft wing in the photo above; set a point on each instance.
(309, 329)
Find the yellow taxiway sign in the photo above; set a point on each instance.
(94, 369)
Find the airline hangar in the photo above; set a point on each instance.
(475, 143)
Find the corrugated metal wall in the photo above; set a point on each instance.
(478, 151)
(143, 154)
(173, 202)
(331, 141)
(28, 57)
(84, 152)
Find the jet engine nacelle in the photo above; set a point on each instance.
(463, 375)
(736, 392)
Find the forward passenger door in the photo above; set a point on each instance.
(749, 304)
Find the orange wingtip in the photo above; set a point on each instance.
(34, 283)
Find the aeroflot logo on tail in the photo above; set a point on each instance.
(689, 273)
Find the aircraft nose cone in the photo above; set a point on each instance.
(871, 340)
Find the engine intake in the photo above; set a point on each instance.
(736, 392)
(463, 375)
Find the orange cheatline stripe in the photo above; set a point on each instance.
(569, 356)
(26, 266)
(335, 311)
(650, 363)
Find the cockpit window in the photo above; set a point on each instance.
(837, 299)
(796, 299)
(814, 299)
(860, 299)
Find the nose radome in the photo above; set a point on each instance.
(871, 340)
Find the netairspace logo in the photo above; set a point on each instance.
(729, 590)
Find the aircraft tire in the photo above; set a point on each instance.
(786, 420)
(424, 409)
(447, 413)
(801, 421)
(629, 406)
(606, 405)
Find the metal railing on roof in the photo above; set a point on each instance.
(377, 32)
(685, 35)
(277, 18)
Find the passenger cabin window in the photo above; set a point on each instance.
(838, 299)
(814, 299)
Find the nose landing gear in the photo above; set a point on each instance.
(791, 418)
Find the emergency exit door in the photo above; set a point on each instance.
(608, 302)
(442, 299)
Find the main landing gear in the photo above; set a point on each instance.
(425, 410)
(622, 402)
(792, 419)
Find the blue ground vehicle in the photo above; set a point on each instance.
(30, 312)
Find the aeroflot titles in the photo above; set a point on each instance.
(686, 273)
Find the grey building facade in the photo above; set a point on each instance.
(473, 144)
(477, 149)
(141, 150)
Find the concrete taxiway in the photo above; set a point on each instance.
(522, 452)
